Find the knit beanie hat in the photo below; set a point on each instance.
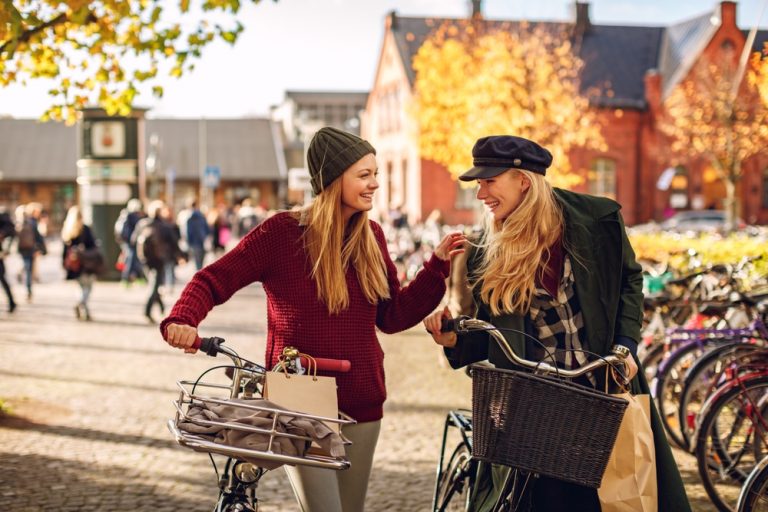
(331, 152)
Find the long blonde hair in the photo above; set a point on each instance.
(73, 224)
(332, 246)
(517, 248)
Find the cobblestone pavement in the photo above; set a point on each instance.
(89, 402)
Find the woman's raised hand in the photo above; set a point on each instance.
(451, 245)
(181, 336)
(433, 323)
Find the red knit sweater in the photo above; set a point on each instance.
(273, 254)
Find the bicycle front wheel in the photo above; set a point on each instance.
(454, 484)
(731, 440)
(754, 494)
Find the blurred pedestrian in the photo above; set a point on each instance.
(78, 238)
(157, 247)
(30, 242)
(197, 232)
(124, 227)
(7, 233)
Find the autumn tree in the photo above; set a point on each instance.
(715, 115)
(474, 78)
(758, 75)
(99, 52)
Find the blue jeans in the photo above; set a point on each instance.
(28, 262)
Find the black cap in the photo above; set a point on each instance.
(497, 153)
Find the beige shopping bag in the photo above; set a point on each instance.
(629, 482)
(310, 394)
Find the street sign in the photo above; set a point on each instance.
(211, 176)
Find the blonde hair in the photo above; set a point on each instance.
(73, 224)
(332, 246)
(517, 248)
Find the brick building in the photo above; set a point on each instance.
(642, 64)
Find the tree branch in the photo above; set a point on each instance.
(27, 35)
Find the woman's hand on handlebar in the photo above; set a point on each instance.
(181, 336)
(434, 322)
(631, 367)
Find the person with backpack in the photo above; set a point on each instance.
(30, 243)
(157, 247)
(7, 233)
(79, 240)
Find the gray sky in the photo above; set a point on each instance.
(335, 44)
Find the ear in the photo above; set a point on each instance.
(525, 183)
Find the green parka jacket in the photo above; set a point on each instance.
(608, 282)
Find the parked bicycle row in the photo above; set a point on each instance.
(705, 353)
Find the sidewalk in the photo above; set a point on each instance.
(91, 401)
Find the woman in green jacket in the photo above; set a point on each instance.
(557, 265)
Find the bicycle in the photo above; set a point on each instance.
(754, 493)
(494, 434)
(732, 435)
(245, 467)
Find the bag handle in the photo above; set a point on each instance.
(291, 354)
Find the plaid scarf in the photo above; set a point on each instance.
(559, 324)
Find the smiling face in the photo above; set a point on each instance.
(503, 193)
(358, 185)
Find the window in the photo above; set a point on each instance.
(765, 187)
(678, 195)
(601, 179)
(465, 197)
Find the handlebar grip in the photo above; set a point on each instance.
(328, 365)
(449, 325)
(209, 346)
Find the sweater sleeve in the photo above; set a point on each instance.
(409, 305)
(246, 263)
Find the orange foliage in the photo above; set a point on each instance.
(474, 79)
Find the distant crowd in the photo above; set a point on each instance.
(153, 241)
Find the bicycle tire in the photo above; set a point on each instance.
(651, 360)
(754, 494)
(702, 379)
(720, 463)
(455, 483)
(668, 388)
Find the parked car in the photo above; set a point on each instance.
(698, 220)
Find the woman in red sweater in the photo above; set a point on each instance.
(329, 283)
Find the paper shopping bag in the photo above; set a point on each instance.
(309, 394)
(629, 482)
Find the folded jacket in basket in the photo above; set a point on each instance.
(328, 440)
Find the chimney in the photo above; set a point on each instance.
(476, 8)
(391, 22)
(728, 14)
(581, 23)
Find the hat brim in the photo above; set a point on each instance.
(480, 173)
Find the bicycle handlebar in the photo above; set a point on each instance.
(325, 364)
(213, 346)
(466, 324)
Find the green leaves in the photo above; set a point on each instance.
(101, 51)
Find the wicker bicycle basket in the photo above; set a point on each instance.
(543, 424)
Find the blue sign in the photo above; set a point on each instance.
(211, 176)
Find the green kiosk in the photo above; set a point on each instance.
(108, 174)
